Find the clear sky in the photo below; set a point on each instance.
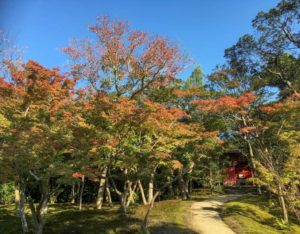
(204, 28)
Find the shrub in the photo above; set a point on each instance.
(7, 193)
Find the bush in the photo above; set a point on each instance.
(7, 193)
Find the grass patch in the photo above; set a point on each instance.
(168, 216)
(66, 218)
(257, 215)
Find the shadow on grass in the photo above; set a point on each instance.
(91, 221)
(217, 209)
(9, 222)
(199, 199)
(171, 228)
(252, 214)
(67, 219)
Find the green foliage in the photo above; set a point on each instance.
(7, 193)
(195, 79)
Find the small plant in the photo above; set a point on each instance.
(282, 225)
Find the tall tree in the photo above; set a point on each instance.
(35, 104)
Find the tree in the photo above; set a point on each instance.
(270, 58)
(121, 63)
(278, 159)
(195, 79)
(124, 61)
(35, 103)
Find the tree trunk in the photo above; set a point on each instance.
(144, 224)
(78, 191)
(186, 182)
(41, 209)
(21, 206)
(73, 193)
(283, 205)
(150, 188)
(146, 218)
(101, 189)
(191, 187)
(81, 192)
(131, 193)
(170, 188)
(151, 185)
(210, 181)
(182, 186)
(186, 186)
(251, 156)
(142, 192)
(108, 194)
(124, 194)
(17, 195)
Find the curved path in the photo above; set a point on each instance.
(205, 217)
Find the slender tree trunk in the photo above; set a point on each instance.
(17, 195)
(108, 194)
(185, 182)
(131, 193)
(186, 186)
(144, 224)
(21, 206)
(146, 218)
(251, 157)
(101, 189)
(150, 188)
(170, 187)
(191, 187)
(182, 186)
(124, 194)
(81, 192)
(73, 194)
(283, 205)
(210, 181)
(151, 185)
(142, 192)
(78, 191)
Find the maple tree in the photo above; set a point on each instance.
(124, 64)
(34, 106)
(125, 61)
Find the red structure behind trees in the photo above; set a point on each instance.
(237, 170)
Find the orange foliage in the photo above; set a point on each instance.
(210, 134)
(226, 103)
(187, 93)
(247, 129)
(289, 103)
(176, 164)
(136, 60)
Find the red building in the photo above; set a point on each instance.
(237, 170)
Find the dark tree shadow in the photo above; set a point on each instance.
(217, 209)
(171, 228)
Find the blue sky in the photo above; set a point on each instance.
(203, 28)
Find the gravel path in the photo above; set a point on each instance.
(205, 217)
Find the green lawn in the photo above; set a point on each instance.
(167, 217)
(256, 215)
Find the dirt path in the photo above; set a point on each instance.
(205, 218)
